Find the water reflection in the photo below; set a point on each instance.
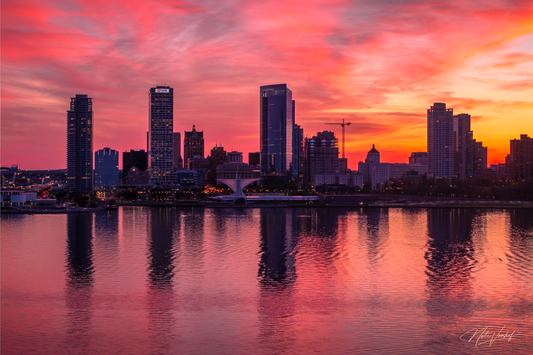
(193, 242)
(520, 263)
(160, 245)
(276, 275)
(160, 295)
(106, 234)
(375, 225)
(291, 280)
(275, 245)
(79, 281)
(450, 263)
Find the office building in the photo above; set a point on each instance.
(276, 131)
(105, 168)
(134, 158)
(321, 155)
(461, 128)
(80, 145)
(193, 145)
(234, 157)
(398, 170)
(520, 162)
(419, 158)
(218, 157)
(254, 159)
(298, 151)
(161, 137)
(440, 141)
(178, 163)
(375, 173)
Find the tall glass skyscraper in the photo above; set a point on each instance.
(80, 145)
(161, 138)
(276, 130)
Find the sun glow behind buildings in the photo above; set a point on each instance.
(379, 67)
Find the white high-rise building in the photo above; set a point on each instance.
(441, 144)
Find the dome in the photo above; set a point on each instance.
(373, 150)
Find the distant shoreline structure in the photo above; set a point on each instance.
(287, 204)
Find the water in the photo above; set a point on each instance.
(268, 281)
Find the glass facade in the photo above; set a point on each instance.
(106, 168)
(276, 130)
(80, 145)
(161, 138)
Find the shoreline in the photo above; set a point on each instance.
(462, 204)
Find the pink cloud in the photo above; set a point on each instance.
(349, 55)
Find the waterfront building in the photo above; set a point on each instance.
(398, 170)
(178, 162)
(137, 158)
(298, 151)
(350, 179)
(80, 145)
(520, 162)
(137, 177)
(461, 138)
(201, 166)
(276, 131)
(254, 159)
(375, 173)
(106, 168)
(161, 138)
(218, 157)
(440, 141)
(321, 155)
(193, 145)
(234, 157)
(236, 170)
(419, 158)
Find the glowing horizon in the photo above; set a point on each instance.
(377, 64)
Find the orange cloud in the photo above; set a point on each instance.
(380, 64)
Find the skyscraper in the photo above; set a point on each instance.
(297, 151)
(105, 168)
(178, 163)
(161, 134)
(461, 127)
(440, 141)
(193, 145)
(80, 145)
(520, 162)
(321, 155)
(276, 130)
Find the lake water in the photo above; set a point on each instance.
(165, 280)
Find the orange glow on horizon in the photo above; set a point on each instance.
(379, 67)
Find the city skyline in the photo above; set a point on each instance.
(377, 65)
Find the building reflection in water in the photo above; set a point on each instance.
(163, 231)
(376, 227)
(193, 244)
(106, 240)
(276, 276)
(450, 263)
(520, 263)
(79, 281)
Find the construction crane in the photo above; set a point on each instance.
(342, 125)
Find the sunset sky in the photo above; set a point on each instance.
(379, 64)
